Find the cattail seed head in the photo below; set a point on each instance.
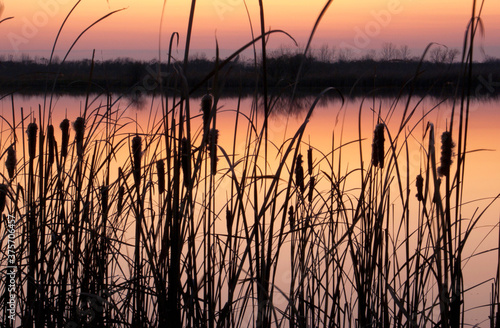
(121, 192)
(309, 161)
(291, 218)
(206, 108)
(65, 137)
(420, 186)
(299, 174)
(447, 145)
(160, 170)
(229, 221)
(11, 161)
(136, 156)
(378, 146)
(186, 161)
(312, 181)
(31, 132)
(104, 198)
(213, 138)
(79, 126)
(51, 141)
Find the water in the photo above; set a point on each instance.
(335, 125)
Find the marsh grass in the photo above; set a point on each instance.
(125, 225)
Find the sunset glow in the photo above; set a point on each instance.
(345, 25)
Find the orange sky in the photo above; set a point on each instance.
(360, 25)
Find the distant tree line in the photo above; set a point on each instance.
(388, 70)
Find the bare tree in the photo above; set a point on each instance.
(345, 54)
(452, 54)
(389, 51)
(370, 54)
(325, 54)
(404, 52)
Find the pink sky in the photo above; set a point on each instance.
(134, 32)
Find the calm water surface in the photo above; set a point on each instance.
(334, 124)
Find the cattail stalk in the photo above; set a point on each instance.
(79, 126)
(65, 137)
(299, 174)
(206, 108)
(447, 145)
(11, 161)
(420, 186)
(378, 146)
(212, 144)
(160, 169)
(186, 161)
(51, 144)
(136, 156)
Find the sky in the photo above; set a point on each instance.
(138, 31)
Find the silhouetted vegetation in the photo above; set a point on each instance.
(437, 75)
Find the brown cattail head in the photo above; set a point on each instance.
(299, 174)
(31, 132)
(121, 192)
(79, 126)
(206, 108)
(11, 161)
(420, 186)
(213, 138)
(3, 197)
(291, 218)
(52, 143)
(310, 161)
(378, 146)
(447, 145)
(136, 156)
(229, 221)
(312, 181)
(186, 161)
(104, 198)
(160, 170)
(65, 137)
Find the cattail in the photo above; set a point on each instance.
(310, 161)
(447, 145)
(229, 221)
(312, 181)
(104, 199)
(378, 146)
(11, 161)
(52, 141)
(31, 132)
(3, 197)
(291, 218)
(206, 108)
(299, 174)
(212, 146)
(436, 198)
(79, 126)
(65, 137)
(186, 161)
(136, 155)
(160, 170)
(420, 186)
